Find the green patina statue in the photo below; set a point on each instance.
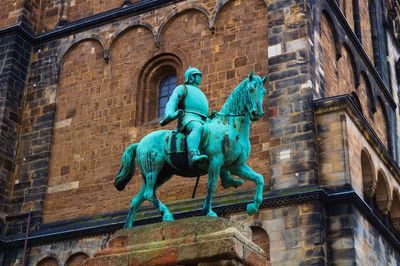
(217, 144)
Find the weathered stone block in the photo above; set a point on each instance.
(204, 240)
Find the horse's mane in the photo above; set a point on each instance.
(237, 101)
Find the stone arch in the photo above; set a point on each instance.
(260, 237)
(367, 174)
(149, 76)
(382, 197)
(381, 123)
(326, 15)
(395, 211)
(76, 259)
(116, 35)
(219, 6)
(328, 36)
(176, 13)
(48, 261)
(366, 95)
(347, 61)
(65, 49)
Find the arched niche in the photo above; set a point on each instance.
(76, 259)
(261, 239)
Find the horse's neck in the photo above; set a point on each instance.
(241, 124)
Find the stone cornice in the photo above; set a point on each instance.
(88, 22)
(346, 104)
(87, 227)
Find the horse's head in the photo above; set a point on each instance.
(256, 90)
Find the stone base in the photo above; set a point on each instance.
(193, 241)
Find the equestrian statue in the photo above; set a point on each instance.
(217, 144)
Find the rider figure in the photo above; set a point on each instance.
(189, 98)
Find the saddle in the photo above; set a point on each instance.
(176, 150)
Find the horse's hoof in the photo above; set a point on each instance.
(251, 209)
(168, 217)
(212, 214)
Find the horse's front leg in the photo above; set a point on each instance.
(246, 172)
(213, 174)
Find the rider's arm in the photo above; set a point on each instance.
(174, 99)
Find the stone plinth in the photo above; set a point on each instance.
(191, 241)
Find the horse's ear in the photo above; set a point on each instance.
(265, 79)
(251, 76)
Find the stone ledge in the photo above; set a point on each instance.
(187, 241)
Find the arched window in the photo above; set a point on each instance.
(157, 80)
(167, 86)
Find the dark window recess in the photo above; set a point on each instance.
(167, 86)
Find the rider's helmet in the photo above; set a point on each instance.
(189, 72)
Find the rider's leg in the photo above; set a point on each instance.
(193, 138)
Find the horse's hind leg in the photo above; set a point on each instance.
(135, 204)
(166, 214)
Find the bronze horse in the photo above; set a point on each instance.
(225, 141)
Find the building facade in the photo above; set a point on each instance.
(82, 79)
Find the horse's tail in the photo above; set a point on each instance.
(127, 168)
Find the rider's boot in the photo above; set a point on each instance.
(195, 158)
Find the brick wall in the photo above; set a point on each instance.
(96, 106)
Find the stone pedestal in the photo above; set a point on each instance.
(196, 241)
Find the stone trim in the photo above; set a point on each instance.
(89, 22)
(75, 229)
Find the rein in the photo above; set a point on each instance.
(215, 113)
